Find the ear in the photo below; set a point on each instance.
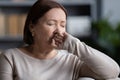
(31, 27)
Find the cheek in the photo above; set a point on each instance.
(47, 31)
(45, 34)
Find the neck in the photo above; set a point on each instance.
(41, 52)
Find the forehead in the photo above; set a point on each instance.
(55, 13)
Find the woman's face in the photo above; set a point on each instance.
(52, 24)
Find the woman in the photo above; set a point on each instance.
(51, 53)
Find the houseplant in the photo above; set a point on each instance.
(107, 37)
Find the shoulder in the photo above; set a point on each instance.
(9, 53)
(64, 53)
(67, 55)
(7, 56)
(70, 59)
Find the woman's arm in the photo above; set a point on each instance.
(95, 62)
(5, 68)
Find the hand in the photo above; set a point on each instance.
(60, 39)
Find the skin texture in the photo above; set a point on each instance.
(48, 34)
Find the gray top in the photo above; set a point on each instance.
(79, 60)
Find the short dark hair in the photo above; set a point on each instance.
(38, 10)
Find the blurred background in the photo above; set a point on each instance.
(96, 22)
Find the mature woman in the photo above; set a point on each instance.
(51, 53)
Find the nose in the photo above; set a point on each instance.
(59, 31)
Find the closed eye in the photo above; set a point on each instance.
(63, 26)
(50, 24)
